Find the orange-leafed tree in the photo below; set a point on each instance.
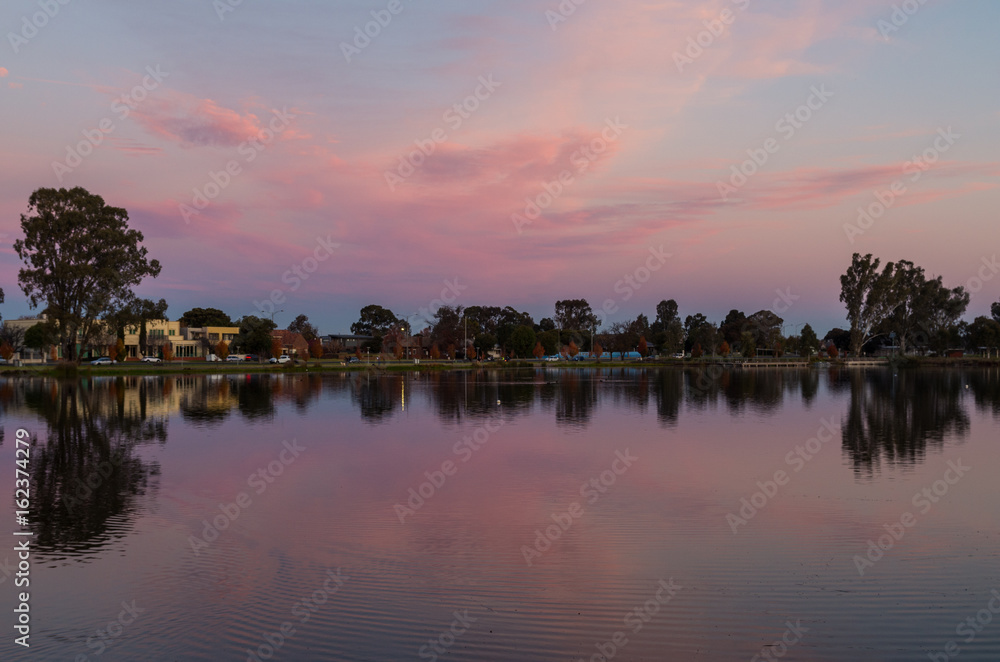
(833, 351)
(539, 351)
(643, 347)
(316, 348)
(724, 348)
(113, 351)
(435, 352)
(168, 352)
(572, 350)
(451, 351)
(696, 351)
(397, 350)
(275, 347)
(120, 346)
(598, 350)
(357, 352)
(6, 351)
(222, 349)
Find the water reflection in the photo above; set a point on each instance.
(88, 478)
(891, 418)
(894, 417)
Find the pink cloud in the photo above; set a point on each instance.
(189, 121)
(3, 72)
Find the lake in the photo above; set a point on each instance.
(553, 514)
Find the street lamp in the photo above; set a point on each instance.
(275, 312)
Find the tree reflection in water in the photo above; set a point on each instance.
(894, 416)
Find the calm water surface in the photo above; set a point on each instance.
(621, 514)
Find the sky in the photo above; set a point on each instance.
(316, 157)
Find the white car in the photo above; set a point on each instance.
(104, 360)
(284, 358)
(152, 359)
(235, 357)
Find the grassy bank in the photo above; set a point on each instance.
(333, 366)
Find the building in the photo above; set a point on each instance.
(185, 343)
(208, 337)
(346, 343)
(292, 343)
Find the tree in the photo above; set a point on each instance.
(984, 334)
(546, 324)
(201, 317)
(81, 259)
(448, 328)
(522, 340)
(832, 351)
(696, 352)
(222, 349)
(483, 319)
(375, 321)
(598, 350)
(168, 352)
(572, 349)
(994, 309)
(255, 335)
(539, 351)
(575, 314)
(40, 336)
(724, 348)
(643, 347)
(808, 342)
(509, 320)
(765, 326)
(316, 348)
(666, 312)
(309, 332)
(748, 344)
(732, 327)
(867, 294)
(435, 352)
(550, 341)
(700, 331)
(485, 342)
(941, 308)
(139, 312)
(6, 351)
(113, 351)
(276, 347)
(907, 291)
(13, 336)
(120, 349)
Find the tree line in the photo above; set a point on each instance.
(81, 263)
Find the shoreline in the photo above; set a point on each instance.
(182, 368)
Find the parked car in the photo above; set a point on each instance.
(354, 359)
(152, 359)
(251, 357)
(104, 360)
(234, 357)
(211, 358)
(679, 355)
(284, 358)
